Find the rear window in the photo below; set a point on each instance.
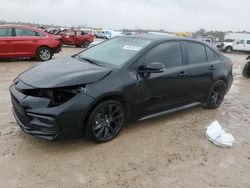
(248, 41)
(211, 56)
(5, 32)
(70, 33)
(40, 34)
(25, 32)
(195, 52)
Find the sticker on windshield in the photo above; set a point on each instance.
(134, 48)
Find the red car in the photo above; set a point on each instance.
(77, 38)
(22, 41)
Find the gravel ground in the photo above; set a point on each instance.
(168, 151)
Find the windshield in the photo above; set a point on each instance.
(115, 51)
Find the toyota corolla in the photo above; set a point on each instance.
(96, 92)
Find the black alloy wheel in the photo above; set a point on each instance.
(216, 95)
(105, 121)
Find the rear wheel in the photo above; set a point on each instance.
(105, 121)
(44, 54)
(246, 70)
(216, 95)
(86, 44)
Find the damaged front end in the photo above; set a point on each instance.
(57, 96)
(45, 112)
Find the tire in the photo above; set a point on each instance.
(86, 44)
(44, 54)
(229, 49)
(216, 95)
(105, 121)
(246, 70)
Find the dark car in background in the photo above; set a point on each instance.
(23, 41)
(76, 37)
(94, 93)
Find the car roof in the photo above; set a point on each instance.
(161, 37)
(157, 38)
(23, 27)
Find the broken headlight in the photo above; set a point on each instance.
(57, 96)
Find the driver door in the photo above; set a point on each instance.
(165, 90)
(240, 45)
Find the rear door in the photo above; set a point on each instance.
(70, 37)
(26, 42)
(200, 67)
(248, 45)
(6, 42)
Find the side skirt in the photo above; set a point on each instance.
(171, 110)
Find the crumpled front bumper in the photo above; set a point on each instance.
(35, 117)
(37, 125)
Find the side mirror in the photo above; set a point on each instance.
(155, 67)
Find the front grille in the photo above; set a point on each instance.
(20, 112)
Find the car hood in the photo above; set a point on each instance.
(62, 73)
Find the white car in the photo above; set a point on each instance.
(236, 45)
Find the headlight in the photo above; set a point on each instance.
(57, 96)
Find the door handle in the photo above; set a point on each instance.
(212, 67)
(182, 74)
(34, 40)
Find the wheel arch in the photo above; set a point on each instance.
(42, 46)
(112, 96)
(229, 46)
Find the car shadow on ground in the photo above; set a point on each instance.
(12, 60)
(80, 144)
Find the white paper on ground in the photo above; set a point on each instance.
(218, 136)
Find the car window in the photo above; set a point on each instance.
(70, 33)
(40, 34)
(169, 53)
(211, 56)
(242, 42)
(248, 41)
(195, 52)
(24, 32)
(5, 32)
(115, 51)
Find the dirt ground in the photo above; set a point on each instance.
(168, 151)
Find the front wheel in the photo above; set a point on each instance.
(44, 54)
(229, 49)
(216, 95)
(105, 121)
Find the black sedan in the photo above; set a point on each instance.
(96, 92)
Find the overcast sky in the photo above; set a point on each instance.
(171, 15)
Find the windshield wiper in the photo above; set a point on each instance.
(88, 60)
